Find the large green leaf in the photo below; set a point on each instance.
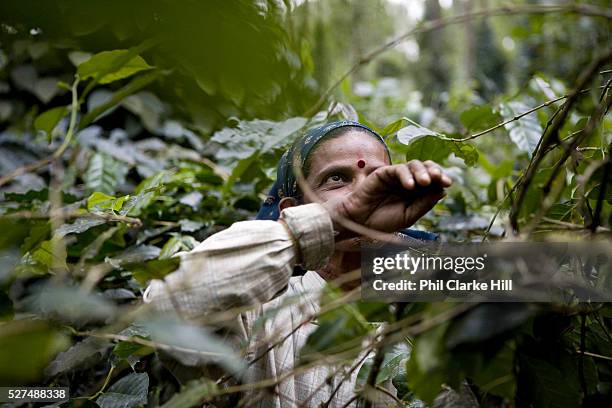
(109, 66)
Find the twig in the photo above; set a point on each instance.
(443, 22)
(586, 353)
(569, 225)
(74, 215)
(106, 381)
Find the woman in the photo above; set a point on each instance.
(348, 169)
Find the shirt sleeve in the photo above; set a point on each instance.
(248, 263)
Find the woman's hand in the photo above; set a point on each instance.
(392, 197)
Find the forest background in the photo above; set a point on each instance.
(132, 130)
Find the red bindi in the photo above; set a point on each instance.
(361, 164)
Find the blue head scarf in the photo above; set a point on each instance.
(286, 183)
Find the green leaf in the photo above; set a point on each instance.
(479, 118)
(110, 66)
(33, 343)
(429, 148)
(336, 329)
(47, 120)
(50, 254)
(524, 132)
(125, 349)
(393, 127)
(99, 201)
(147, 191)
(238, 171)
(128, 392)
(426, 367)
(104, 173)
(192, 394)
(497, 375)
(393, 363)
(176, 244)
(155, 269)
(465, 151)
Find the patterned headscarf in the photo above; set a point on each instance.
(286, 183)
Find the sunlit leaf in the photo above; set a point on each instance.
(411, 133)
(109, 66)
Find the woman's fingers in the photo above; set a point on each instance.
(420, 173)
(437, 174)
(405, 177)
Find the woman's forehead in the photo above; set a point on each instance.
(352, 145)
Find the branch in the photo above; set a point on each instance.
(432, 25)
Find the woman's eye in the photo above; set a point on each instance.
(335, 178)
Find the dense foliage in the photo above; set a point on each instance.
(130, 131)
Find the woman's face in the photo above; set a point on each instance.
(339, 165)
